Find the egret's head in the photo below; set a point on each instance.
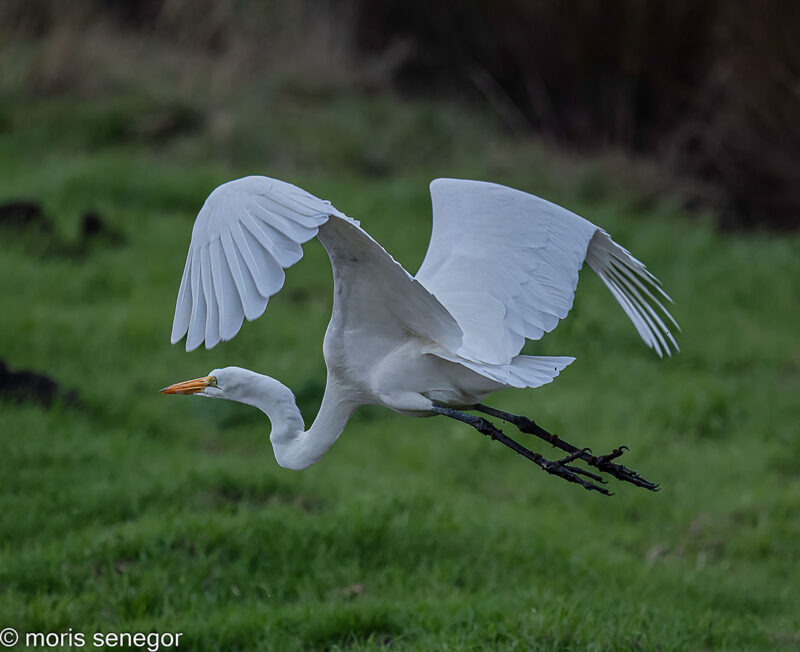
(220, 383)
(236, 384)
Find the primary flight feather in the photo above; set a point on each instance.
(501, 267)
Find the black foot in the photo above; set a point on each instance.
(561, 468)
(602, 463)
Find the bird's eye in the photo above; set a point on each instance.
(212, 381)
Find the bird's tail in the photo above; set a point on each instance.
(522, 371)
(536, 370)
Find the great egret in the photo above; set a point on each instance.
(501, 266)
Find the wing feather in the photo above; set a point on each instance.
(640, 281)
(619, 270)
(244, 286)
(197, 323)
(265, 234)
(633, 314)
(297, 212)
(270, 273)
(250, 230)
(253, 302)
(505, 263)
(231, 309)
(183, 306)
(295, 229)
(486, 237)
(247, 232)
(212, 308)
(239, 233)
(285, 250)
(655, 322)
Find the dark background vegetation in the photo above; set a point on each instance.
(710, 89)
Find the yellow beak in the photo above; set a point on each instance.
(188, 386)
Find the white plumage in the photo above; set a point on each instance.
(501, 267)
(246, 234)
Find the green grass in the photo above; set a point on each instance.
(132, 511)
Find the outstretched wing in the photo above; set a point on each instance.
(248, 231)
(251, 229)
(505, 264)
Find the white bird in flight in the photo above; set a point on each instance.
(501, 267)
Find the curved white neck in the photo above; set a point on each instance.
(295, 447)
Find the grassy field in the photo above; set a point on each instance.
(127, 511)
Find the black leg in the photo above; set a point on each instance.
(600, 462)
(559, 467)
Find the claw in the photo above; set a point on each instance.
(603, 463)
(559, 468)
(613, 454)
